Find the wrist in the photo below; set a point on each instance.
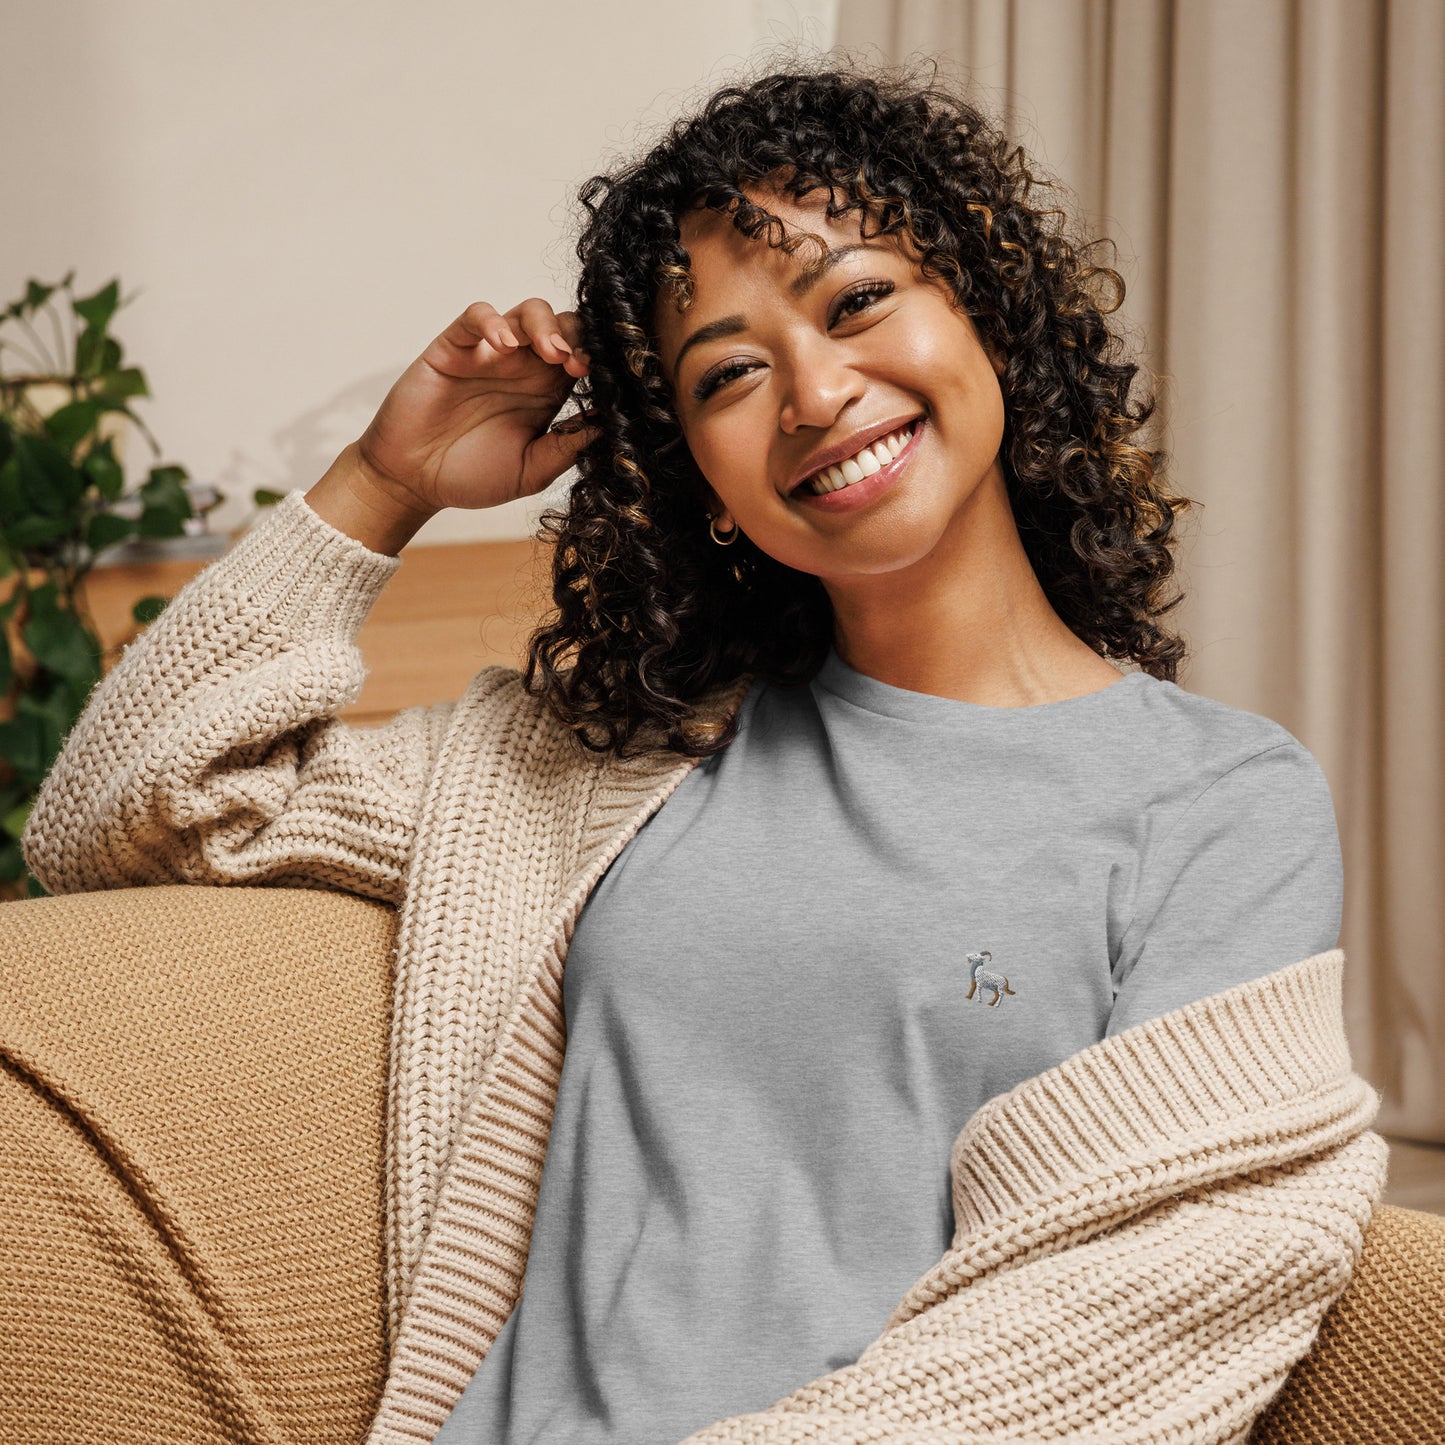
(360, 501)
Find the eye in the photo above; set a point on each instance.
(868, 292)
(716, 377)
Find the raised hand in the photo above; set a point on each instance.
(469, 422)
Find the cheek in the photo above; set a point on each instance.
(728, 454)
(962, 382)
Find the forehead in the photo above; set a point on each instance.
(706, 233)
(726, 265)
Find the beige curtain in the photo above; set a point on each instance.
(1274, 174)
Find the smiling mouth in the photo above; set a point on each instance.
(865, 463)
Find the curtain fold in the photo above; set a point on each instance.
(1273, 174)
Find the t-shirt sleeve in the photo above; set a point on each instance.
(1248, 880)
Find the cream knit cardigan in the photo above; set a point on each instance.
(1148, 1234)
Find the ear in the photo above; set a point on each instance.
(716, 509)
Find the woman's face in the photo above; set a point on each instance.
(775, 370)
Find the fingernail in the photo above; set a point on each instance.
(558, 342)
(508, 337)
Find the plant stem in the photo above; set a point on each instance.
(31, 359)
(35, 337)
(54, 315)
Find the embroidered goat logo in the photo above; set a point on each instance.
(981, 977)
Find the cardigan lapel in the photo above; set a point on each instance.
(460, 1251)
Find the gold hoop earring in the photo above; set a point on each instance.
(726, 541)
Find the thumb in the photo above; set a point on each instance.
(554, 451)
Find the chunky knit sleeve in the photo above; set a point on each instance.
(1148, 1237)
(210, 752)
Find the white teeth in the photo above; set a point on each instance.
(871, 459)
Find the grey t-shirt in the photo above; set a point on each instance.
(773, 1043)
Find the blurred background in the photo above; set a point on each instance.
(296, 198)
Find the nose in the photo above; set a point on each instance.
(820, 382)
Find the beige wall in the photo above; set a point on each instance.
(302, 195)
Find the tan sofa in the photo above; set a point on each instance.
(191, 1127)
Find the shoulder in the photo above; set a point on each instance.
(499, 713)
(1206, 750)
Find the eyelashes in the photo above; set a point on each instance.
(718, 377)
(867, 291)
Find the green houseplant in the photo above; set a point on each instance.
(65, 400)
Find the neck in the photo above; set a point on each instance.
(968, 620)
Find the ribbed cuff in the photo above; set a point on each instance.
(315, 576)
(1255, 1047)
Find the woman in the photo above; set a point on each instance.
(887, 901)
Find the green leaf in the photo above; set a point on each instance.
(45, 598)
(60, 642)
(262, 497)
(97, 310)
(71, 697)
(166, 504)
(51, 484)
(13, 822)
(7, 667)
(36, 295)
(34, 530)
(96, 354)
(101, 467)
(166, 482)
(148, 609)
(67, 426)
(12, 493)
(105, 529)
(12, 862)
(90, 352)
(23, 746)
(128, 382)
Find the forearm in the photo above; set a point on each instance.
(210, 752)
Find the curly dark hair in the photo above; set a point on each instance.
(649, 613)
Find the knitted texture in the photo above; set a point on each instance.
(1148, 1234)
(1376, 1372)
(191, 1089)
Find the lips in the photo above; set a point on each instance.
(849, 447)
(862, 494)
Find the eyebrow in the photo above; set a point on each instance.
(731, 325)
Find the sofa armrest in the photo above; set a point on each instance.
(1376, 1371)
(192, 1114)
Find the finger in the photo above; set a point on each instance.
(584, 419)
(481, 321)
(543, 331)
(570, 325)
(553, 452)
(477, 335)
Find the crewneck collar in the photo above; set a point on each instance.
(837, 677)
